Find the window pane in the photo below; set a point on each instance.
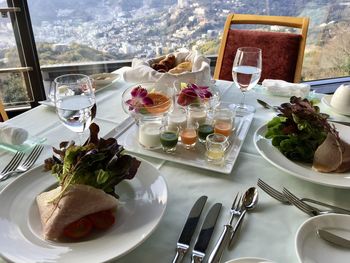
(92, 30)
(15, 88)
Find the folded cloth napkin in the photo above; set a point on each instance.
(283, 88)
(141, 71)
(12, 135)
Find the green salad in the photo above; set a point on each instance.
(299, 129)
(99, 163)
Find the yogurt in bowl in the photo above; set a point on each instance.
(341, 99)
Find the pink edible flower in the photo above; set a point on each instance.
(139, 98)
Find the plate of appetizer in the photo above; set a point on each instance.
(301, 142)
(91, 203)
(102, 79)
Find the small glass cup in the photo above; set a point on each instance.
(149, 135)
(205, 129)
(177, 117)
(189, 135)
(169, 137)
(216, 145)
(224, 121)
(196, 113)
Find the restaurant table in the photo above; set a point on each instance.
(268, 231)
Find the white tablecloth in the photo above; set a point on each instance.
(268, 231)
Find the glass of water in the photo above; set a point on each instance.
(246, 72)
(75, 102)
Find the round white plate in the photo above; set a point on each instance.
(142, 204)
(249, 260)
(101, 79)
(326, 100)
(301, 170)
(311, 248)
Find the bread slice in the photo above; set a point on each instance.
(78, 201)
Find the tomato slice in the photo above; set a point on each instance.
(78, 229)
(103, 219)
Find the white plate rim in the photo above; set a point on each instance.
(310, 221)
(328, 176)
(145, 234)
(249, 260)
(326, 100)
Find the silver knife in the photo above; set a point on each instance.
(334, 239)
(190, 226)
(206, 232)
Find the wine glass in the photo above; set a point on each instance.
(246, 72)
(75, 102)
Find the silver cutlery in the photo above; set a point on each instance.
(190, 226)
(205, 234)
(28, 162)
(281, 197)
(332, 238)
(267, 106)
(12, 165)
(249, 202)
(221, 244)
(312, 211)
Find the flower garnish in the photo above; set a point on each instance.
(139, 98)
(192, 93)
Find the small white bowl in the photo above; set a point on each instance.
(340, 100)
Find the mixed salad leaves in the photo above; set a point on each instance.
(299, 129)
(99, 163)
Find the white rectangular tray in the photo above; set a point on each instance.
(196, 156)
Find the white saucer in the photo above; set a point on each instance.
(311, 248)
(249, 260)
(327, 101)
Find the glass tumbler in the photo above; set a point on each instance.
(196, 113)
(169, 137)
(216, 145)
(189, 135)
(224, 119)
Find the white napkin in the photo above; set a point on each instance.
(12, 135)
(142, 72)
(283, 88)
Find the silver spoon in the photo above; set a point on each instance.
(249, 202)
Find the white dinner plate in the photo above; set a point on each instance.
(311, 248)
(102, 79)
(301, 170)
(142, 205)
(327, 101)
(249, 260)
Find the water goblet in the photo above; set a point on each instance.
(246, 72)
(75, 102)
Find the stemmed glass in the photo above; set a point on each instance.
(246, 72)
(75, 102)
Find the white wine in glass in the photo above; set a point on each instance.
(74, 101)
(246, 72)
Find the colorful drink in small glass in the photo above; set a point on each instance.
(189, 135)
(177, 117)
(196, 113)
(204, 130)
(216, 145)
(223, 121)
(169, 137)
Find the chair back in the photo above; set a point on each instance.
(282, 53)
(3, 114)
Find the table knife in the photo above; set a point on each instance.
(334, 239)
(205, 234)
(190, 226)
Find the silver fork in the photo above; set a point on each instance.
(12, 165)
(281, 197)
(312, 211)
(25, 166)
(221, 244)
